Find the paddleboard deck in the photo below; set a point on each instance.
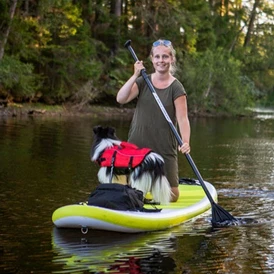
(191, 203)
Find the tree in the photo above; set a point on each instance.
(68, 50)
(7, 25)
(251, 23)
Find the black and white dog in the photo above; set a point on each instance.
(143, 167)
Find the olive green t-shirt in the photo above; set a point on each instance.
(149, 128)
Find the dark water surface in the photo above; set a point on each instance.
(45, 164)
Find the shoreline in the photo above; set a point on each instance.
(102, 111)
(29, 110)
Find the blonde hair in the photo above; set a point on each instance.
(168, 44)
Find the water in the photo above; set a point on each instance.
(44, 164)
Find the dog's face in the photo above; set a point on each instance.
(104, 137)
(104, 133)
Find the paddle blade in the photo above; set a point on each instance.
(221, 218)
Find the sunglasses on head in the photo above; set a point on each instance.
(161, 42)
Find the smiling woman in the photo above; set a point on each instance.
(149, 128)
(170, 53)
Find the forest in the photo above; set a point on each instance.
(65, 51)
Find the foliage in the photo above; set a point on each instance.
(17, 79)
(67, 50)
(215, 83)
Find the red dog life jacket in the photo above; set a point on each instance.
(126, 155)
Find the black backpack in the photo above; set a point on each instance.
(118, 197)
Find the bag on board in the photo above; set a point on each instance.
(118, 197)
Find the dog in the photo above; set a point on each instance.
(143, 168)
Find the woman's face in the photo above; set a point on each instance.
(161, 59)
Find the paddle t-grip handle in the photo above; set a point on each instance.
(128, 46)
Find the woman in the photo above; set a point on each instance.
(149, 127)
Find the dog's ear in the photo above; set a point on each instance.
(97, 129)
(105, 132)
(111, 131)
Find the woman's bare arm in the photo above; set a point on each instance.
(129, 90)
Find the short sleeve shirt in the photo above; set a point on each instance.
(149, 127)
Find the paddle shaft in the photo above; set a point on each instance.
(163, 110)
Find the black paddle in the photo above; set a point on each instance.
(220, 216)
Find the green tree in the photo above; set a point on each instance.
(7, 14)
(68, 50)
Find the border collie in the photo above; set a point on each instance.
(143, 168)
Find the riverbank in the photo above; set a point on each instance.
(23, 110)
(38, 109)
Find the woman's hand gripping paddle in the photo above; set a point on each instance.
(220, 217)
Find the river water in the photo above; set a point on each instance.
(45, 164)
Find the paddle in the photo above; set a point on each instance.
(219, 215)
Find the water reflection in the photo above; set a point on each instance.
(263, 113)
(112, 252)
(109, 252)
(192, 248)
(44, 164)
